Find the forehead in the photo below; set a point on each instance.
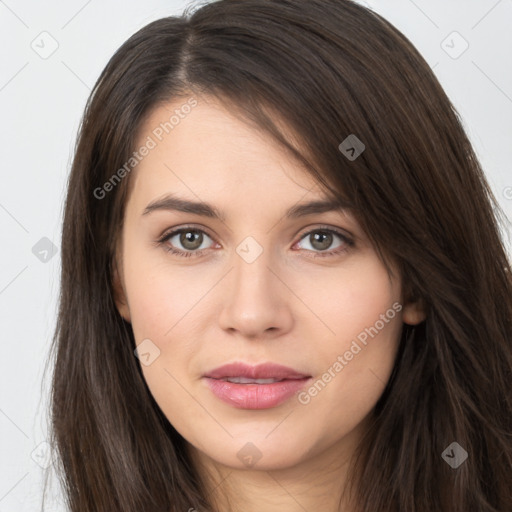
(208, 150)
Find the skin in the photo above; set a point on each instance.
(287, 307)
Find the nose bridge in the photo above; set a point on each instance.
(254, 303)
(252, 261)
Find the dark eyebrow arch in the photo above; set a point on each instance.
(173, 203)
(301, 210)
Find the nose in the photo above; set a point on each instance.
(255, 301)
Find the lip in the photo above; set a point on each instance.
(260, 371)
(255, 396)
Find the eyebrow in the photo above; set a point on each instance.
(173, 203)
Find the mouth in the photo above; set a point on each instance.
(255, 387)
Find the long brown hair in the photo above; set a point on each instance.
(327, 69)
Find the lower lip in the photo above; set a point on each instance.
(255, 396)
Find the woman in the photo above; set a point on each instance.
(283, 284)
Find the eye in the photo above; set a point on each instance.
(321, 239)
(190, 242)
(190, 239)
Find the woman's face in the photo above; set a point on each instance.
(256, 279)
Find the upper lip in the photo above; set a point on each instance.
(260, 371)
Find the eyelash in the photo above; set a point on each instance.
(316, 254)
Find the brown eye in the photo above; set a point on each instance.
(185, 241)
(191, 240)
(321, 242)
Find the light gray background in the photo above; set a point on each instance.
(41, 102)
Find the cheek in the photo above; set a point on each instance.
(363, 312)
(162, 301)
(161, 297)
(165, 302)
(351, 301)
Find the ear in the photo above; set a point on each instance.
(414, 312)
(119, 293)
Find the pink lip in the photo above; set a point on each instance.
(255, 396)
(261, 371)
